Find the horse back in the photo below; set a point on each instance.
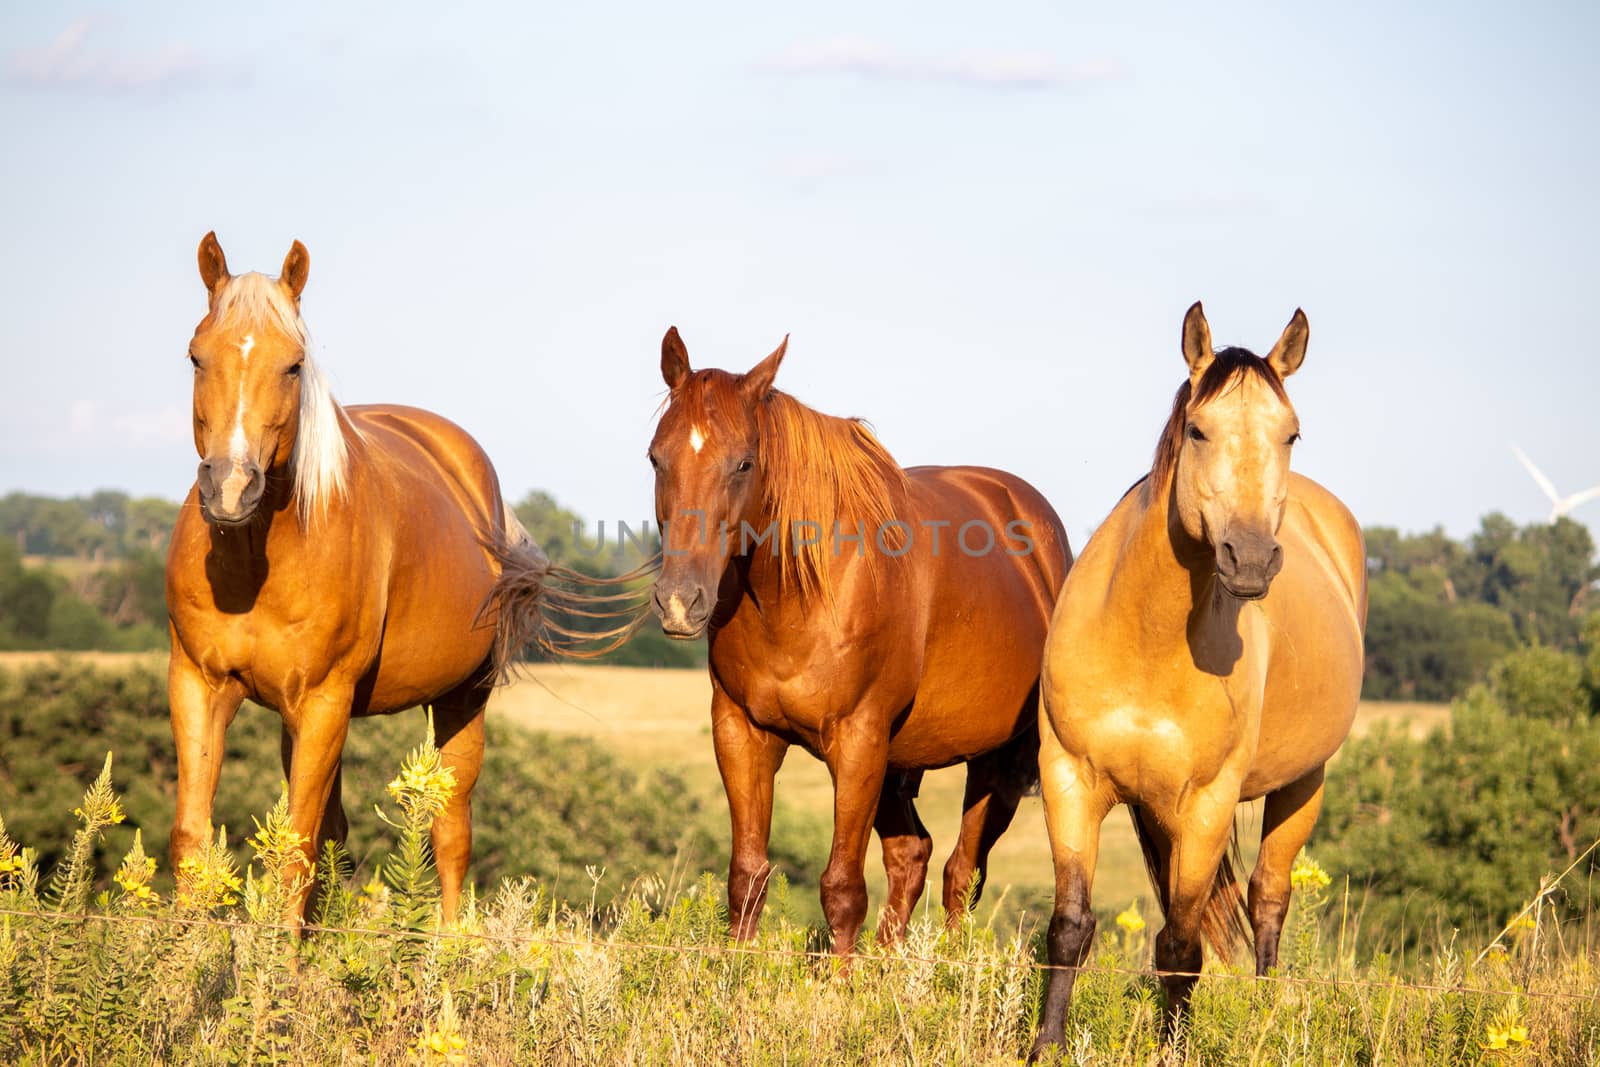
(427, 453)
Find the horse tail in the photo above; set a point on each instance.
(538, 604)
(1225, 923)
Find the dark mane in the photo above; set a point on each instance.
(1228, 367)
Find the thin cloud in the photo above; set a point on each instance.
(72, 63)
(978, 69)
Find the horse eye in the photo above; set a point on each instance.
(744, 466)
(1195, 434)
(1294, 437)
(654, 462)
(294, 371)
(195, 360)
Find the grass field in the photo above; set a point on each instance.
(659, 718)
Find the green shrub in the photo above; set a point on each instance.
(544, 806)
(1458, 828)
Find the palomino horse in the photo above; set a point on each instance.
(1206, 650)
(328, 562)
(886, 620)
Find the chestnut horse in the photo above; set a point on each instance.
(1206, 650)
(329, 562)
(886, 620)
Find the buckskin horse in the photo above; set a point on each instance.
(329, 562)
(1206, 650)
(888, 621)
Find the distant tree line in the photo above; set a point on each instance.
(1441, 611)
(86, 572)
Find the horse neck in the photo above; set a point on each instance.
(762, 572)
(1165, 584)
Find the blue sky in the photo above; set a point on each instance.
(981, 225)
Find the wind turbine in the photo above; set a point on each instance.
(1560, 505)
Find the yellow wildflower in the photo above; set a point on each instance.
(1130, 920)
(210, 880)
(1307, 875)
(444, 1043)
(1505, 1032)
(110, 815)
(135, 873)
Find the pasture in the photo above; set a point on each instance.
(120, 976)
(658, 719)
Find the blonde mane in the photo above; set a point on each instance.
(321, 459)
(825, 470)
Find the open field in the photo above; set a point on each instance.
(658, 718)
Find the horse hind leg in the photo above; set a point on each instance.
(1287, 819)
(996, 782)
(458, 733)
(907, 847)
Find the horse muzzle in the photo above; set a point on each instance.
(1247, 562)
(684, 611)
(232, 500)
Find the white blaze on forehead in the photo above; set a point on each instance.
(238, 445)
(697, 440)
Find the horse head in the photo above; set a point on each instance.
(707, 459)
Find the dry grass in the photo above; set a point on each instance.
(106, 660)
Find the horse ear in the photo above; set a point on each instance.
(296, 267)
(674, 359)
(213, 264)
(758, 382)
(1196, 341)
(1290, 351)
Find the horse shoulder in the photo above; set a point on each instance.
(1324, 520)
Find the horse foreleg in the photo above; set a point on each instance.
(1287, 819)
(748, 758)
(995, 784)
(1075, 806)
(316, 726)
(458, 732)
(856, 749)
(1205, 826)
(335, 825)
(907, 847)
(200, 719)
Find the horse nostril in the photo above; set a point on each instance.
(1229, 555)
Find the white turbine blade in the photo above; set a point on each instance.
(1580, 497)
(1537, 475)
